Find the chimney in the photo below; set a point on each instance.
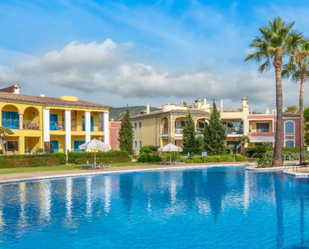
(204, 102)
(147, 108)
(16, 89)
(267, 111)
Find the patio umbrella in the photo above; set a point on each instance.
(170, 148)
(95, 145)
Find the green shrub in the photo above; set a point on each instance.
(148, 158)
(62, 156)
(145, 150)
(19, 162)
(215, 159)
(266, 160)
(116, 156)
(174, 156)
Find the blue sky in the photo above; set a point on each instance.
(134, 52)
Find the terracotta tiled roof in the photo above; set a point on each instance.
(37, 100)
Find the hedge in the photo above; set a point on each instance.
(62, 156)
(115, 156)
(148, 158)
(259, 151)
(215, 159)
(22, 162)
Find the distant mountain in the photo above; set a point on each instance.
(118, 112)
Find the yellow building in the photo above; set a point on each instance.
(54, 124)
(165, 126)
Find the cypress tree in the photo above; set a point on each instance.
(214, 133)
(189, 133)
(126, 133)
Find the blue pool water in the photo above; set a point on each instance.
(219, 207)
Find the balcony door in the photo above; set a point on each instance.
(91, 123)
(53, 122)
(10, 120)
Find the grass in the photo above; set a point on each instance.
(58, 168)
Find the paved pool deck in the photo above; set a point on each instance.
(298, 172)
(10, 178)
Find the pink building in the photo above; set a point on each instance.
(114, 127)
(262, 128)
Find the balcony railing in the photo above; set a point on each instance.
(165, 130)
(259, 130)
(77, 126)
(60, 126)
(234, 131)
(178, 131)
(31, 125)
(80, 126)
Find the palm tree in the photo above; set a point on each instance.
(243, 141)
(297, 70)
(3, 133)
(276, 41)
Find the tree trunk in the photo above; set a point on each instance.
(2, 146)
(301, 114)
(277, 155)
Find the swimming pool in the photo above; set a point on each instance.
(218, 207)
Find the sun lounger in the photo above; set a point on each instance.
(105, 165)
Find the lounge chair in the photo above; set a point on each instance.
(87, 166)
(163, 162)
(102, 165)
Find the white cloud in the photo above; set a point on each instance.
(8, 76)
(109, 68)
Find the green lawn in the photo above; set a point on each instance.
(56, 168)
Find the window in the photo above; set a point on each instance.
(78, 143)
(289, 143)
(140, 125)
(135, 126)
(55, 144)
(10, 120)
(262, 127)
(53, 119)
(91, 123)
(135, 144)
(140, 143)
(289, 127)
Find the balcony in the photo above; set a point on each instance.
(60, 126)
(164, 131)
(234, 131)
(31, 125)
(12, 124)
(178, 131)
(259, 130)
(80, 126)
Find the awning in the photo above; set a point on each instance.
(261, 139)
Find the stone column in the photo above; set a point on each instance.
(46, 125)
(106, 127)
(21, 121)
(67, 131)
(87, 126)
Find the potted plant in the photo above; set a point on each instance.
(39, 150)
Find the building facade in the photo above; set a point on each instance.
(165, 126)
(54, 124)
(114, 127)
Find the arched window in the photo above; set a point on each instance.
(289, 127)
(289, 143)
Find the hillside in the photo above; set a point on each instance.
(118, 112)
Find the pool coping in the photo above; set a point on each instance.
(255, 169)
(291, 172)
(57, 174)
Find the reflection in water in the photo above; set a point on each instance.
(107, 192)
(22, 198)
(68, 183)
(204, 202)
(279, 209)
(88, 192)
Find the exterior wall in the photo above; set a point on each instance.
(146, 135)
(114, 128)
